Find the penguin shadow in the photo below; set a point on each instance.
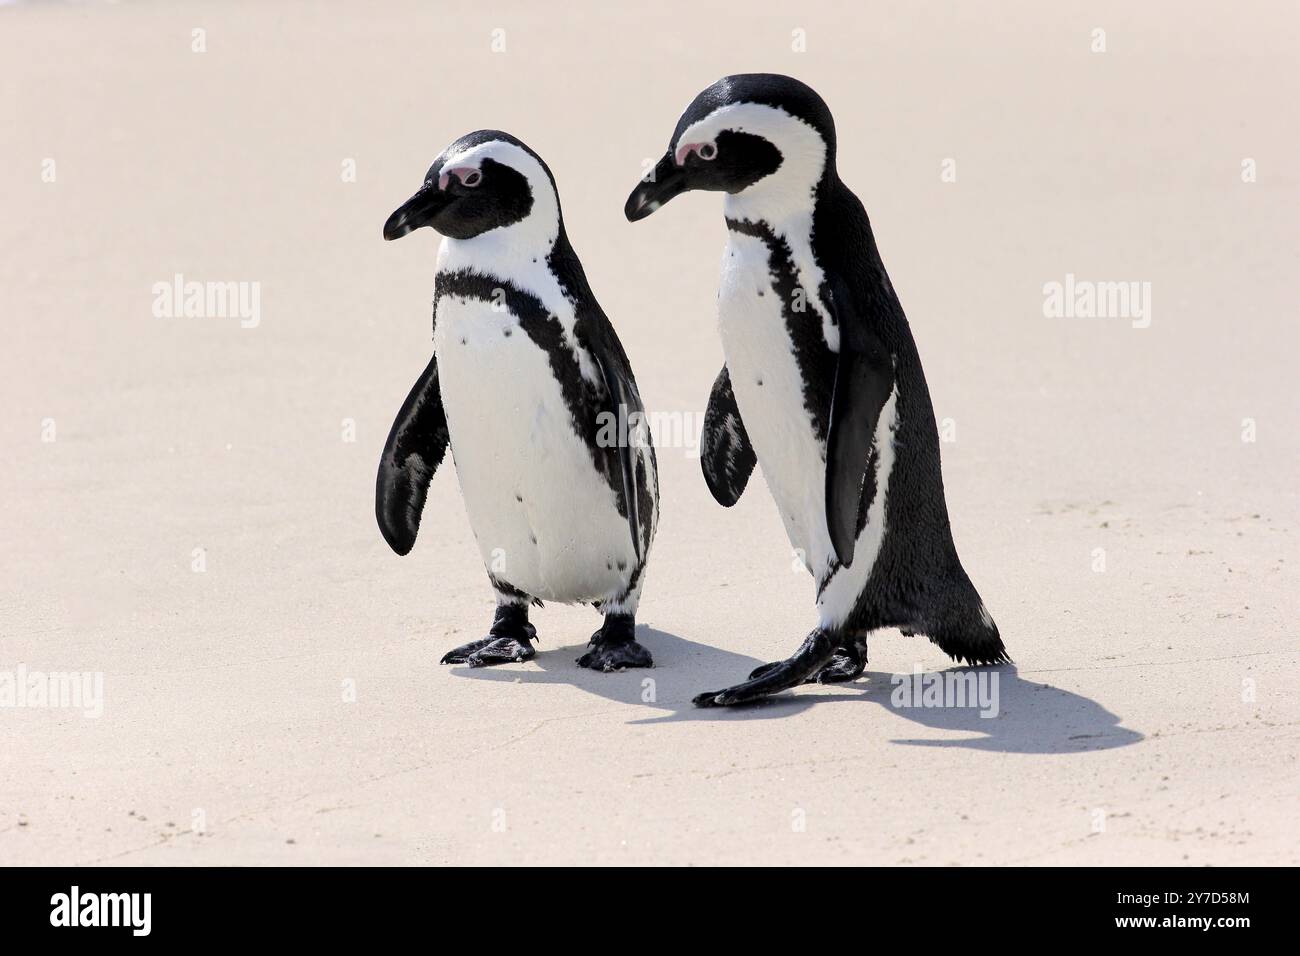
(1024, 716)
(1002, 712)
(682, 669)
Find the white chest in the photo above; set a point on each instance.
(769, 390)
(544, 518)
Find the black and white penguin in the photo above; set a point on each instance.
(822, 384)
(531, 388)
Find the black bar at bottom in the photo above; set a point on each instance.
(334, 906)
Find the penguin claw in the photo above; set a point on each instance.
(775, 680)
(745, 693)
(458, 655)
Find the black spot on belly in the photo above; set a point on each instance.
(519, 498)
(622, 565)
(760, 382)
(506, 332)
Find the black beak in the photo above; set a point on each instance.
(419, 210)
(666, 181)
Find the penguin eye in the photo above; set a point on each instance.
(472, 178)
(707, 151)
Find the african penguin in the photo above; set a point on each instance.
(822, 384)
(533, 392)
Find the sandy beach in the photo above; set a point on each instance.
(188, 499)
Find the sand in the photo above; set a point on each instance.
(185, 515)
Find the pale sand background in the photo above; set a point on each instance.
(223, 689)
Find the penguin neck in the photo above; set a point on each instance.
(516, 252)
(495, 256)
(786, 209)
(788, 194)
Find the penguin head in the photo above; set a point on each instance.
(485, 182)
(764, 137)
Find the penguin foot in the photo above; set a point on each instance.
(846, 664)
(508, 641)
(613, 647)
(501, 650)
(615, 657)
(814, 654)
(491, 650)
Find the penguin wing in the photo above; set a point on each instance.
(864, 378)
(414, 450)
(621, 392)
(595, 333)
(726, 456)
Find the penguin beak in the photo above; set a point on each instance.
(420, 210)
(666, 181)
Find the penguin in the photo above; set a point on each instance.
(531, 390)
(822, 385)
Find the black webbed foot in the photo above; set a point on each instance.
(508, 641)
(843, 667)
(846, 664)
(614, 647)
(815, 652)
(501, 650)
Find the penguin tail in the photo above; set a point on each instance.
(965, 630)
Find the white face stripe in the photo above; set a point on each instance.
(540, 227)
(784, 200)
(787, 191)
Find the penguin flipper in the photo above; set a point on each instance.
(595, 334)
(864, 378)
(726, 456)
(415, 448)
(621, 394)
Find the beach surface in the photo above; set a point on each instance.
(188, 501)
